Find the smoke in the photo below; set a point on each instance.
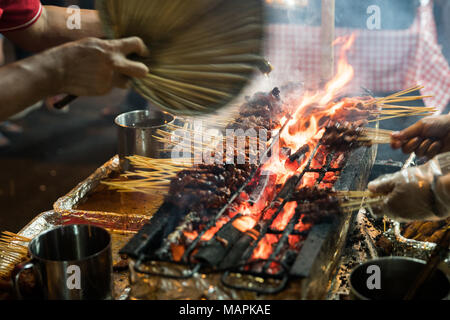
(294, 55)
(396, 14)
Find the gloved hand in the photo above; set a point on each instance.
(428, 137)
(417, 193)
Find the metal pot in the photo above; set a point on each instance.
(390, 278)
(136, 132)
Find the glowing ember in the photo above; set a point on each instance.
(244, 224)
(264, 248)
(282, 220)
(304, 128)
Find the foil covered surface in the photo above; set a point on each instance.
(408, 247)
(67, 204)
(132, 285)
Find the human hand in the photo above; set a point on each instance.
(428, 137)
(92, 66)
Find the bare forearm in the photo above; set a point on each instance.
(52, 29)
(25, 82)
(85, 67)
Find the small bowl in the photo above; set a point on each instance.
(396, 274)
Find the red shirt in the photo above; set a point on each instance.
(18, 14)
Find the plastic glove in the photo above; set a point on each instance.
(428, 137)
(418, 193)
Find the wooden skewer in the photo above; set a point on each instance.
(358, 194)
(360, 202)
(397, 116)
(12, 252)
(16, 236)
(395, 95)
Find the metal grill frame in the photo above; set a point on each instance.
(239, 269)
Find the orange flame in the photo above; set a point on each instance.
(305, 126)
(282, 220)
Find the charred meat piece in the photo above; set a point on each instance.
(270, 100)
(317, 205)
(344, 137)
(207, 186)
(354, 109)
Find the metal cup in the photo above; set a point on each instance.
(136, 131)
(396, 275)
(71, 263)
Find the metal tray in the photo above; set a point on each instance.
(410, 248)
(116, 218)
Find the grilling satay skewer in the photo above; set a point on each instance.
(387, 108)
(354, 200)
(347, 136)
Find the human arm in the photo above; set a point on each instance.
(427, 137)
(51, 29)
(84, 68)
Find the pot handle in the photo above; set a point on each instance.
(20, 268)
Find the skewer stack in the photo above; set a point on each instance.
(376, 136)
(354, 200)
(13, 250)
(215, 143)
(387, 107)
(348, 136)
(150, 176)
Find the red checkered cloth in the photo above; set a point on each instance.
(384, 60)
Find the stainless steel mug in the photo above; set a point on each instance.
(395, 277)
(71, 263)
(136, 131)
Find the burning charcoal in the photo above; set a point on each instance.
(288, 186)
(234, 256)
(289, 257)
(300, 154)
(213, 252)
(317, 205)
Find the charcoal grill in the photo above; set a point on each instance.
(228, 254)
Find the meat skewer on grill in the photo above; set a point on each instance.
(348, 136)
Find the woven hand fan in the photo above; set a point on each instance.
(202, 52)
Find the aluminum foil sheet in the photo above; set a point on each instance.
(408, 247)
(67, 204)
